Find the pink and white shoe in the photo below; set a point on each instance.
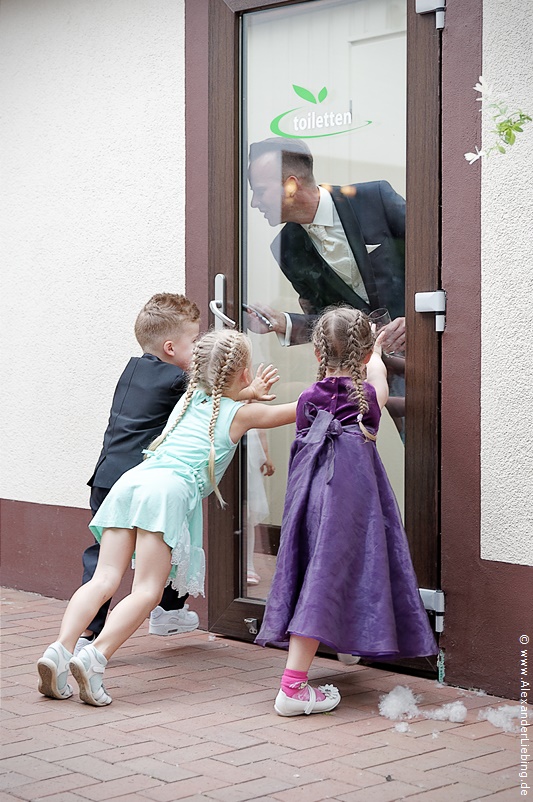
(292, 706)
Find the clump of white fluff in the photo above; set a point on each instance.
(402, 726)
(399, 704)
(503, 717)
(453, 711)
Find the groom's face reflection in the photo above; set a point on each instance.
(268, 192)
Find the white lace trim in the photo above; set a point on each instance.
(190, 569)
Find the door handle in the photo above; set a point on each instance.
(218, 304)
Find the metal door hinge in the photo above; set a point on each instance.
(433, 601)
(433, 302)
(438, 6)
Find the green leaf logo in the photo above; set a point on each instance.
(304, 93)
(307, 95)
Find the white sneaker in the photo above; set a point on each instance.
(81, 643)
(53, 672)
(88, 671)
(348, 659)
(172, 622)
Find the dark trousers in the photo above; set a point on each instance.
(170, 599)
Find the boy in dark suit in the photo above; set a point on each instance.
(147, 391)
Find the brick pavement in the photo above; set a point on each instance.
(192, 719)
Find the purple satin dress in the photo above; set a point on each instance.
(343, 574)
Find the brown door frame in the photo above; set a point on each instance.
(423, 267)
(212, 207)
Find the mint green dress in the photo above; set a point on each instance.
(164, 493)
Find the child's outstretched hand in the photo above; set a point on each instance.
(259, 388)
(378, 344)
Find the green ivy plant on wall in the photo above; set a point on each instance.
(507, 125)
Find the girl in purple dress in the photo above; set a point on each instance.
(343, 575)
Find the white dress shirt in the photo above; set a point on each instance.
(329, 238)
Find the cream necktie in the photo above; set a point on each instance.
(321, 234)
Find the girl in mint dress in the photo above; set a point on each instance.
(155, 510)
(164, 493)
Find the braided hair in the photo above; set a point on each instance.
(342, 338)
(217, 357)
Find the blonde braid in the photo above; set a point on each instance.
(217, 395)
(353, 360)
(217, 358)
(360, 342)
(342, 338)
(321, 345)
(191, 387)
(220, 384)
(231, 353)
(359, 395)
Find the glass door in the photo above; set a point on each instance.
(324, 95)
(354, 86)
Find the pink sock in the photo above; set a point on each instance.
(291, 683)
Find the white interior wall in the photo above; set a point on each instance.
(91, 220)
(507, 294)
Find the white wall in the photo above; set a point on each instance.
(92, 220)
(507, 295)
(92, 224)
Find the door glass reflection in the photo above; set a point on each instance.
(323, 103)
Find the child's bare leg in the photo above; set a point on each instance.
(152, 567)
(116, 550)
(301, 653)
(53, 666)
(300, 657)
(295, 696)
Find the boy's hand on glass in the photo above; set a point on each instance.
(259, 388)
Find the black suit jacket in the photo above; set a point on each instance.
(145, 395)
(371, 213)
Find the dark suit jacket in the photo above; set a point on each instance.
(145, 395)
(371, 213)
